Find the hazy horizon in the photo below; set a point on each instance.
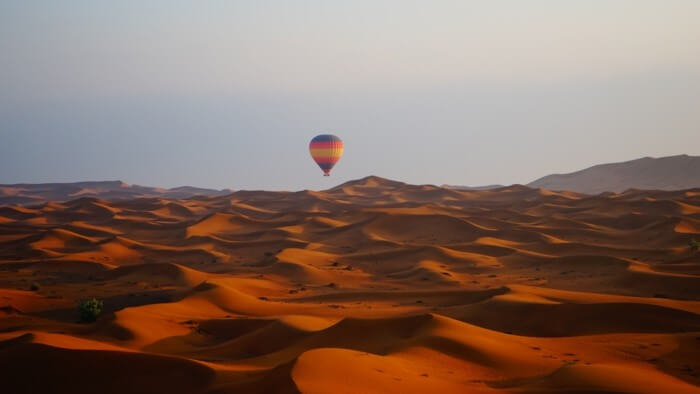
(325, 187)
(229, 94)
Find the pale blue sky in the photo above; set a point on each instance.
(229, 93)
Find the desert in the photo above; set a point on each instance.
(349, 197)
(372, 286)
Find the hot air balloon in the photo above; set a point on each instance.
(326, 150)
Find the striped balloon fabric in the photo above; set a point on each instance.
(326, 150)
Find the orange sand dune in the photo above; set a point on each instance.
(374, 286)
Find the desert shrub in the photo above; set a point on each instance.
(34, 286)
(694, 245)
(89, 310)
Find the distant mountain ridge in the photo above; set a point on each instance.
(37, 193)
(665, 173)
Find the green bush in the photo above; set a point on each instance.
(89, 310)
(694, 245)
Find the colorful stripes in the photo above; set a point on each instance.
(326, 150)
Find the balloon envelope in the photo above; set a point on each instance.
(326, 150)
